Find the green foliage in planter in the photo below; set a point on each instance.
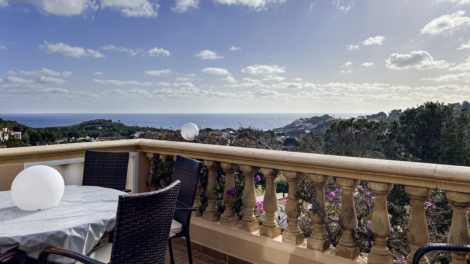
(162, 172)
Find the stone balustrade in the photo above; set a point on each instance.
(418, 179)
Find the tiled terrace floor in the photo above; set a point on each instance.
(201, 254)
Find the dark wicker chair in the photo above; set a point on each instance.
(13, 256)
(141, 232)
(187, 171)
(106, 169)
(438, 246)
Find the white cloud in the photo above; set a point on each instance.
(274, 78)
(126, 94)
(182, 6)
(465, 45)
(348, 69)
(352, 47)
(297, 79)
(461, 2)
(263, 69)
(3, 47)
(419, 59)
(251, 80)
(11, 73)
(159, 72)
(377, 40)
(44, 79)
(156, 52)
(450, 78)
(133, 8)
(367, 64)
(447, 24)
(287, 85)
(208, 55)
(183, 79)
(343, 5)
(128, 8)
(216, 71)
(70, 51)
(462, 66)
(121, 83)
(257, 5)
(45, 71)
(233, 48)
(164, 84)
(185, 84)
(17, 80)
(230, 79)
(122, 49)
(98, 73)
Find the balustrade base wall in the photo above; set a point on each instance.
(270, 231)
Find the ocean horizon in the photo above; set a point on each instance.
(264, 121)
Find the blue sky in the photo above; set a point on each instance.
(231, 56)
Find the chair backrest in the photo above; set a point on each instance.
(106, 169)
(187, 171)
(143, 226)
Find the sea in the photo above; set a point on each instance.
(264, 121)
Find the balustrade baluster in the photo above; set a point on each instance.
(212, 211)
(197, 201)
(229, 217)
(347, 247)
(417, 232)
(317, 240)
(459, 231)
(249, 222)
(292, 234)
(270, 227)
(380, 227)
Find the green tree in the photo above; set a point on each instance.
(282, 186)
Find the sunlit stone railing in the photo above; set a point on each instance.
(418, 178)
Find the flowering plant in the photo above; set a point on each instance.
(162, 171)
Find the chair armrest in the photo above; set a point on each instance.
(185, 209)
(66, 253)
(438, 246)
(127, 190)
(13, 253)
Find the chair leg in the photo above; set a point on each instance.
(171, 251)
(188, 244)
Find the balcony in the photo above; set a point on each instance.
(225, 241)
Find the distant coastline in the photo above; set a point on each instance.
(263, 121)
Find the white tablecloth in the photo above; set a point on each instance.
(76, 223)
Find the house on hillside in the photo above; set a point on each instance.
(5, 134)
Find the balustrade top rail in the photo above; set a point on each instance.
(446, 177)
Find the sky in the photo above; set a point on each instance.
(232, 56)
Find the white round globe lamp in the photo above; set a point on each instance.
(37, 188)
(189, 131)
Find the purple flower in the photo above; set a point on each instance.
(398, 260)
(372, 197)
(258, 171)
(330, 199)
(332, 193)
(372, 243)
(360, 187)
(258, 178)
(237, 183)
(161, 181)
(148, 173)
(433, 207)
(261, 210)
(310, 220)
(153, 171)
(230, 192)
(300, 218)
(339, 190)
(369, 223)
(155, 155)
(327, 203)
(305, 208)
(391, 229)
(285, 201)
(368, 194)
(221, 179)
(339, 205)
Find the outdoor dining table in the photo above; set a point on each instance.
(77, 223)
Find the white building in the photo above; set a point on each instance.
(5, 133)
